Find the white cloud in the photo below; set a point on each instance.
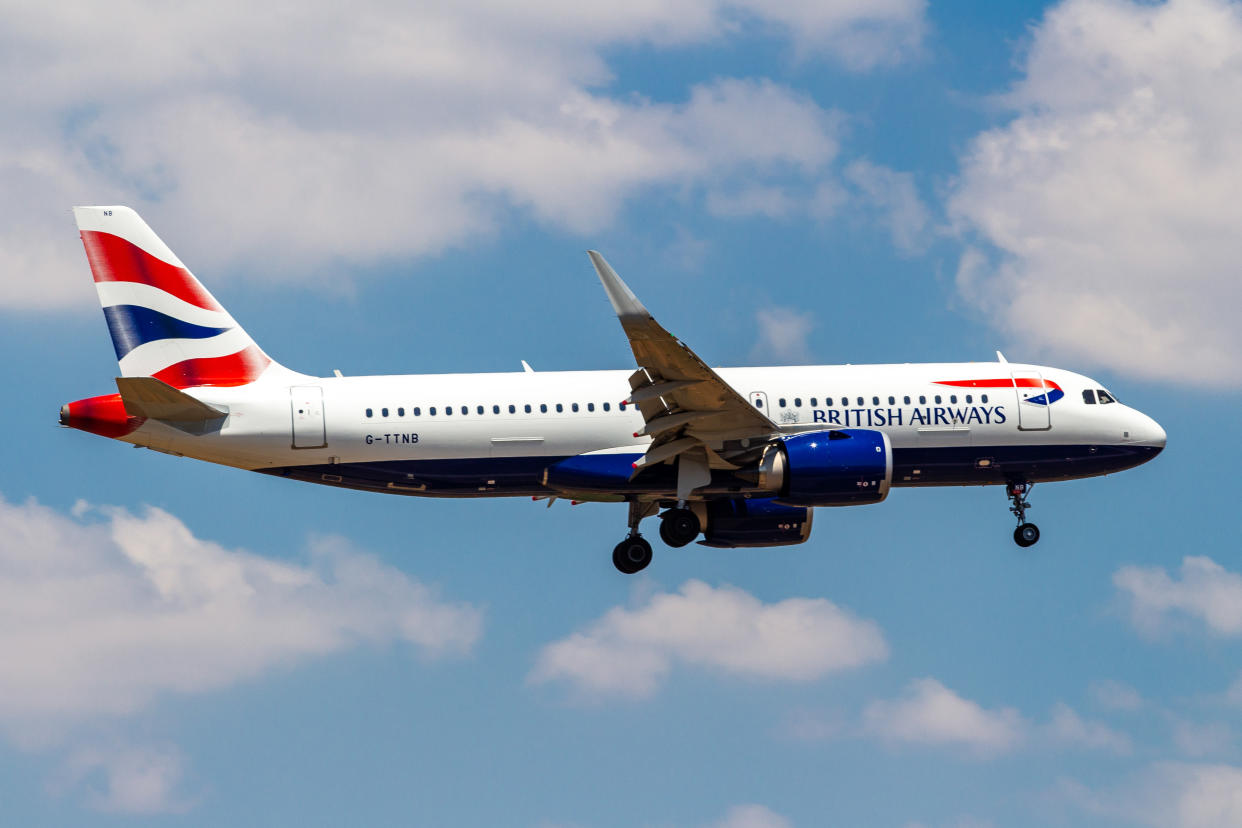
(99, 618)
(752, 816)
(1198, 740)
(930, 713)
(629, 652)
(1206, 591)
(1105, 214)
(285, 144)
(894, 198)
(127, 779)
(783, 334)
(1115, 695)
(1171, 795)
(1066, 728)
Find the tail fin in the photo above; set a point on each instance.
(164, 323)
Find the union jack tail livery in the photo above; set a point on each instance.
(163, 322)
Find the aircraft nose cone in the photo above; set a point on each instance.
(1147, 432)
(64, 414)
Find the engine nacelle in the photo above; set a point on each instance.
(755, 522)
(841, 467)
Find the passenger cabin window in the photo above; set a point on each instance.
(969, 399)
(465, 409)
(543, 408)
(590, 406)
(448, 411)
(1088, 396)
(922, 399)
(1105, 397)
(512, 408)
(984, 399)
(875, 400)
(953, 398)
(892, 400)
(431, 411)
(905, 400)
(495, 409)
(828, 402)
(860, 401)
(400, 412)
(559, 408)
(607, 406)
(383, 412)
(370, 413)
(782, 402)
(418, 412)
(479, 410)
(528, 408)
(937, 399)
(574, 408)
(813, 402)
(621, 405)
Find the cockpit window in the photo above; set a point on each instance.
(1104, 396)
(1088, 396)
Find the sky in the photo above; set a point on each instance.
(411, 188)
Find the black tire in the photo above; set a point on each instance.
(679, 527)
(1026, 535)
(632, 555)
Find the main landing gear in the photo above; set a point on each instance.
(1027, 534)
(678, 527)
(634, 553)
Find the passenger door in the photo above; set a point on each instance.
(760, 401)
(1034, 412)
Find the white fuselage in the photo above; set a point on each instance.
(433, 421)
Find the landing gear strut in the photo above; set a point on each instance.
(679, 527)
(634, 553)
(1027, 533)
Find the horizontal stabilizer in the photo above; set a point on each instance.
(157, 400)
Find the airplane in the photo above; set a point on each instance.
(739, 456)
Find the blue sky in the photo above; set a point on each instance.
(412, 190)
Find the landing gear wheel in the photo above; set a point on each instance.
(1026, 535)
(632, 555)
(679, 527)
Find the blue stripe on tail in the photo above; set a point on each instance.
(134, 325)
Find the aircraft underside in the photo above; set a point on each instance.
(525, 476)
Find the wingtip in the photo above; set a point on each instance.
(624, 302)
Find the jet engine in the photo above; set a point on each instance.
(841, 467)
(740, 521)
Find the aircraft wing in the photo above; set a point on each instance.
(685, 404)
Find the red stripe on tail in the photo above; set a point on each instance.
(113, 259)
(241, 368)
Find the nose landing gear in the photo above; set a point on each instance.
(1027, 534)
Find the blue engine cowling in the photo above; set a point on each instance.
(841, 467)
(755, 522)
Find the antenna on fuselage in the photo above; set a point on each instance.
(526, 367)
(1000, 357)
